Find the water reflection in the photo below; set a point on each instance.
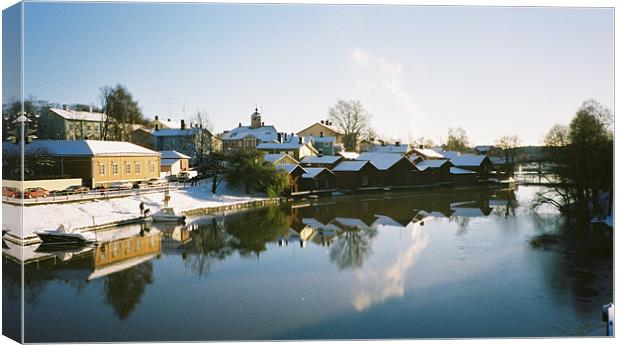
(353, 255)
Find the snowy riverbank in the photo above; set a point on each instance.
(77, 215)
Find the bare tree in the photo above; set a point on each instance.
(353, 120)
(557, 136)
(509, 144)
(201, 138)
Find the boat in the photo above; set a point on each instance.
(65, 236)
(168, 214)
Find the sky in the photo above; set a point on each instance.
(418, 70)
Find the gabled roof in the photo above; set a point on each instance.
(289, 168)
(79, 115)
(311, 222)
(459, 171)
(81, 148)
(320, 160)
(433, 164)
(276, 157)
(169, 124)
(263, 133)
(351, 222)
(172, 154)
(332, 128)
(169, 161)
(314, 172)
(451, 154)
(430, 153)
(468, 160)
(381, 161)
(400, 149)
(348, 155)
(350, 166)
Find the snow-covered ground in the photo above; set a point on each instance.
(84, 214)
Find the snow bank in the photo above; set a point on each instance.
(84, 214)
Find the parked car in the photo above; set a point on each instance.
(58, 192)
(36, 192)
(10, 192)
(77, 189)
(121, 185)
(156, 182)
(183, 176)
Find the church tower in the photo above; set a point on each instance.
(255, 121)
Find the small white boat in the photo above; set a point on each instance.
(62, 235)
(168, 214)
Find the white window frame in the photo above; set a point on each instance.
(127, 168)
(101, 169)
(137, 167)
(114, 168)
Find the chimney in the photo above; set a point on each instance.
(300, 142)
(397, 143)
(262, 124)
(156, 127)
(239, 124)
(421, 146)
(90, 109)
(322, 122)
(182, 124)
(321, 134)
(382, 143)
(169, 120)
(201, 126)
(279, 137)
(65, 106)
(285, 136)
(156, 118)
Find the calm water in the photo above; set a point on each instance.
(422, 265)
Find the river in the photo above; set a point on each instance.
(426, 264)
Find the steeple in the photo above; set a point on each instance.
(255, 120)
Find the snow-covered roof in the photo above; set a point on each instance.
(169, 161)
(350, 166)
(500, 160)
(79, 115)
(169, 124)
(433, 164)
(172, 154)
(330, 127)
(263, 133)
(311, 222)
(413, 157)
(289, 168)
(87, 148)
(459, 171)
(484, 148)
(348, 155)
(468, 160)
(320, 160)
(381, 161)
(467, 212)
(313, 172)
(174, 132)
(400, 149)
(451, 154)
(430, 153)
(276, 157)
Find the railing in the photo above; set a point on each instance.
(97, 194)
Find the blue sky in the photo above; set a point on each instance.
(418, 70)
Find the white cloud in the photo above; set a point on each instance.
(382, 84)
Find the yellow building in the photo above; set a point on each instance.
(325, 128)
(98, 163)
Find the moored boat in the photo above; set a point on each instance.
(65, 236)
(168, 214)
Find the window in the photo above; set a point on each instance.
(88, 127)
(129, 245)
(101, 168)
(152, 167)
(167, 147)
(138, 243)
(127, 168)
(115, 168)
(115, 249)
(137, 168)
(364, 180)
